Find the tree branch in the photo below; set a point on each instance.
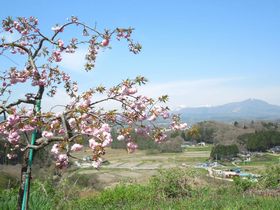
(19, 101)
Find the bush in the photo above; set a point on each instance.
(271, 178)
(173, 183)
(243, 184)
(41, 197)
(116, 198)
(172, 146)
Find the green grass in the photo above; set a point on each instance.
(198, 149)
(171, 189)
(264, 160)
(143, 197)
(6, 181)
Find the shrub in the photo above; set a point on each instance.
(41, 197)
(271, 178)
(121, 196)
(173, 183)
(243, 184)
(172, 145)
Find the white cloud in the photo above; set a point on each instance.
(74, 62)
(217, 91)
(57, 102)
(187, 93)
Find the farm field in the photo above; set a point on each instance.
(142, 179)
(140, 166)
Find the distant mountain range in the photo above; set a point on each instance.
(250, 109)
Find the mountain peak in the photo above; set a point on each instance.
(249, 109)
(254, 100)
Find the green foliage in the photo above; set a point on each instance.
(158, 195)
(143, 142)
(173, 183)
(8, 199)
(170, 189)
(243, 184)
(41, 197)
(146, 143)
(271, 178)
(260, 141)
(221, 152)
(120, 197)
(200, 133)
(7, 181)
(174, 134)
(185, 136)
(269, 125)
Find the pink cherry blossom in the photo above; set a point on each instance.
(105, 42)
(13, 137)
(131, 91)
(27, 128)
(60, 43)
(165, 114)
(120, 137)
(11, 156)
(136, 112)
(160, 137)
(55, 149)
(131, 146)
(183, 126)
(57, 29)
(152, 117)
(84, 104)
(97, 163)
(107, 139)
(93, 144)
(176, 126)
(56, 55)
(55, 124)
(142, 130)
(105, 127)
(62, 161)
(72, 122)
(47, 134)
(76, 147)
(13, 119)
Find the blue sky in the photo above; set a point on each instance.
(200, 52)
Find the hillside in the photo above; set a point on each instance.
(227, 133)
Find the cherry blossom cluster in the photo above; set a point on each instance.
(22, 25)
(82, 123)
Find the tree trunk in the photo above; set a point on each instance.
(24, 173)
